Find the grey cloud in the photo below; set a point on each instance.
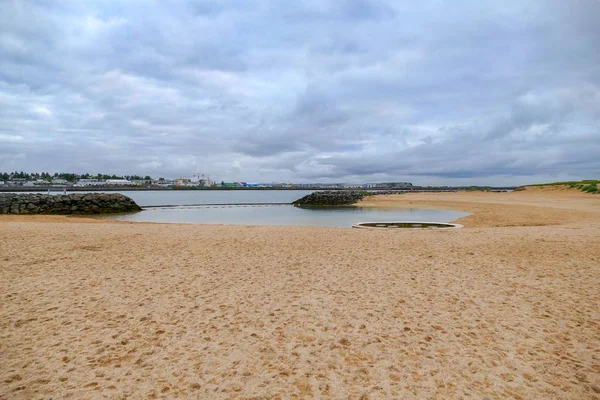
(328, 90)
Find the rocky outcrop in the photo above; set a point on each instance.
(89, 203)
(330, 198)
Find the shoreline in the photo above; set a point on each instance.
(107, 309)
(531, 207)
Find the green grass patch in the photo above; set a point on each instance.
(569, 183)
(591, 188)
(587, 185)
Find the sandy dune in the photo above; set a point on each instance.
(508, 307)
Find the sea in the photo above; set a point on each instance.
(261, 207)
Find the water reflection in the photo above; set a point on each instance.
(285, 215)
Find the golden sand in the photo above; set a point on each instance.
(508, 307)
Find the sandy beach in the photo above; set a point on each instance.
(507, 307)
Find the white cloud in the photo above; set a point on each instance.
(44, 111)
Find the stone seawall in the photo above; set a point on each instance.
(340, 197)
(330, 198)
(89, 203)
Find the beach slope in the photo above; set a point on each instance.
(508, 307)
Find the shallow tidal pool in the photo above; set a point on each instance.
(284, 215)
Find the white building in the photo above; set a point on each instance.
(123, 182)
(164, 183)
(90, 182)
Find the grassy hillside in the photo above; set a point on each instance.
(588, 186)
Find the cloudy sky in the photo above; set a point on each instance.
(433, 92)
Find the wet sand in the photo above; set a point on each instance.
(508, 307)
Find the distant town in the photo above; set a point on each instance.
(22, 181)
(46, 180)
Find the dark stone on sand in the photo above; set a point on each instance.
(80, 204)
(330, 198)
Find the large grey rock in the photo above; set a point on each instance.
(93, 203)
(330, 198)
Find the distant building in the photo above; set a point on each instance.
(234, 184)
(332, 186)
(182, 181)
(16, 182)
(90, 182)
(202, 180)
(162, 182)
(123, 182)
(390, 185)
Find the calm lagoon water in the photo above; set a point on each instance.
(217, 207)
(285, 215)
(186, 197)
(263, 214)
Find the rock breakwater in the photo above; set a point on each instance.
(89, 203)
(330, 198)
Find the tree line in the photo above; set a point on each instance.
(69, 177)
